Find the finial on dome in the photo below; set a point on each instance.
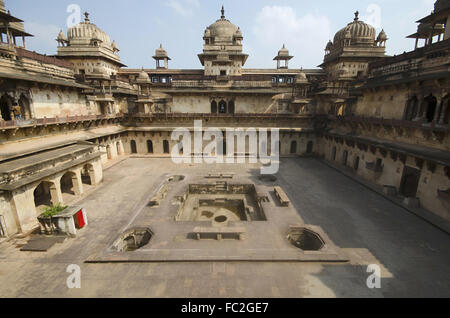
(223, 13)
(86, 19)
(356, 15)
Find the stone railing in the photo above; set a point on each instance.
(51, 121)
(389, 122)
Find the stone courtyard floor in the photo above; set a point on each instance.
(414, 256)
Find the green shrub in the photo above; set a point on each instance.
(53, 210)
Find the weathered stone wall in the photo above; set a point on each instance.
(52, 102)
(392, 173)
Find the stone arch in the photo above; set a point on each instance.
(6, 103)
(430, 107)
(356, 163)
(67, 183)
(293, 147)
(411, 108)
(133, 146)
(222, 107)
(25, 107)
(213, 107)
(150, 146)
(42, 195)
(108, 152)
(345, 157)
(333, 153)
(87, 174)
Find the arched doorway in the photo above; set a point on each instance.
(108, 152)
(293, 147)
(356, 164)
(24, 104)
(222, 107)
(345, 157)
(430, 109)
(42, 196)
(309, 147)
(409, 182)
(67, 186)
(213, 107)
(133, 146)
(5, 107)
(333, 154)
(150, 146)
(166, 147)
(231, 107)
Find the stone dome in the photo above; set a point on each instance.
(86, 31)
(143, 76)
(357, 31)
(301, 78)
(223, 28)
(284, 51)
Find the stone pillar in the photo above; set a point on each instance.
(443, 111)
(96, 172)
(77, 182)
(55, 191)
(22, 200)
(438, 110)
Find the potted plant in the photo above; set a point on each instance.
(46, 218)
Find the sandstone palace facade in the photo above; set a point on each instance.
(383, 120)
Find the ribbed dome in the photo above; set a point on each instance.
(357, 31)
(284, 51)
(86, 31)
(143, 76)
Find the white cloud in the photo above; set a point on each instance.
(44, 37)
(305, 36)
(183, 7)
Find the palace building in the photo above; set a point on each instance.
(382, 120)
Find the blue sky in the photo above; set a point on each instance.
(139, 26)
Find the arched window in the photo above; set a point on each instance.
(133, 146)
(5, 107)
(149, 146)
(24, 104)
(411, 108)
(166, 147)
(213, 107)
(294, 147)
(430, 109)
(231, 107)
(222, 107)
